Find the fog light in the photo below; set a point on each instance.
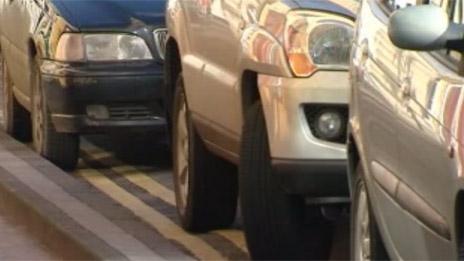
(98, 112)
(330, 125)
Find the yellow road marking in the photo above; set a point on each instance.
(162, 224)
(158, 190)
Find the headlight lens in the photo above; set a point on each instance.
(102, 47)
(317, 41)
(330, 44)
(107, 47)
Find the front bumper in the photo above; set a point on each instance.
(305, 164)
(284, 101)
(313, 178)
(131, 92)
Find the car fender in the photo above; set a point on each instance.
(263, 53)
(176, 25)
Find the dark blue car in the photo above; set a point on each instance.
(79, 66)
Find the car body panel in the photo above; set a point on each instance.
(110, 14)
(283, 99)
(340, 7)
(405, 118)
(250, 38)
(221, 41)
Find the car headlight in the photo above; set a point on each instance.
(317, 41)
(101, 47)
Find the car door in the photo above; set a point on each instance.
(215, 100)
(398, 141)
(432, 90)
(376, 70)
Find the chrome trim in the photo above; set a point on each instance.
(161, 37)
(410, 201)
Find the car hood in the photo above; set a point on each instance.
(110, 14)
(342, 7)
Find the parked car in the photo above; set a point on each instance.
(72, 67)
(406, 132)
(262, 85)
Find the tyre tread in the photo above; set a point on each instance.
(274, 222)
(212, 200)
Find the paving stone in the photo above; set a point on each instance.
(16, 243)
(72, 210)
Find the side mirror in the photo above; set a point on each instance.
(425, 28)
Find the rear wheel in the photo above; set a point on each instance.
(205, 185)
(16, 119)
(61, 149)
(277, 225)
(366, 242)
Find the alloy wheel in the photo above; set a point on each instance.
(362, 243)
(38, 120)
(182, 155)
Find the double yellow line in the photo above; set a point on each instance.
(165, 226)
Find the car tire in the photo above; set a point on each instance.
(17, 121)
(62, 149)
(364, 226)
(205, 185)
(277, 225)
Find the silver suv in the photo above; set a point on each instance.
(406, 131)
(262, 85)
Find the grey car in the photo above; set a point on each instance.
(262, 85)
(406, 131)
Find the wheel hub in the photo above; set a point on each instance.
(38, 121)
(362, 244)
(182, 155)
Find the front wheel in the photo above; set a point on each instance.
(61, 149)
(205, 185)
(277, 225)
(366, 242)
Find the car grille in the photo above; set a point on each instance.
(161, 36)
(134, 112)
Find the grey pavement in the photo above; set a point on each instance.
(17, 243)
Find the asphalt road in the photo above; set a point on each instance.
(136, 174)
(131, 168)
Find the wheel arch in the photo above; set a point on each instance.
(37, 47)
(32, 48)
(172, 69)
(249, 90)
(354, 159)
